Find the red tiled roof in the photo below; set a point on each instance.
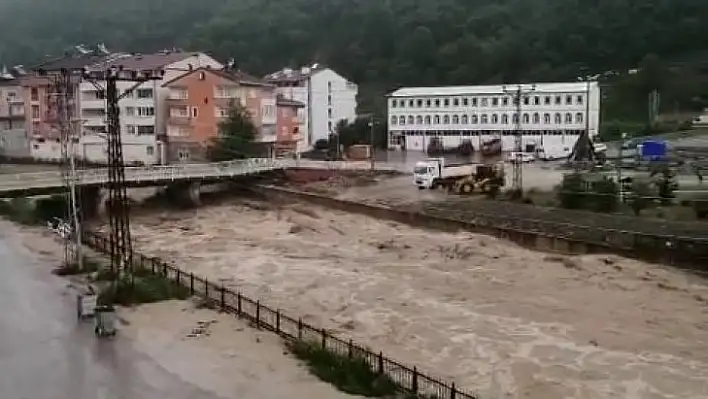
(234, 76)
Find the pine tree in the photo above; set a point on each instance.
(237, 136)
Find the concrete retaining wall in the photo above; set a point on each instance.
(658, 248)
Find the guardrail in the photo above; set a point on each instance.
(408, 379)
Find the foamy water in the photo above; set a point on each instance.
(501, 320)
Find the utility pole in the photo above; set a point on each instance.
(518, 94)
(372, 155)
(118, 205)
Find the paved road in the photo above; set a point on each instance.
(46, 354)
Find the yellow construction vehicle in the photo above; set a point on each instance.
(486, 179)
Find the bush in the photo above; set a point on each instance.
(572, 193)
(141, 289)
(350, 375)
(604, 195)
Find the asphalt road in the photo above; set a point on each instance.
(45, 353)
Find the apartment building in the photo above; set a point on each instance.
(553, 115)
(200, 99)
(289, 125)
(13, 135)
(328, 97)
(143, 106)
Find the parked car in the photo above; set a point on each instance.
(524, 157)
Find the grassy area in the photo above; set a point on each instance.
(140, 289)
(351, 375)
(90, 265)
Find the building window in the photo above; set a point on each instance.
(446, 102)
(428, 103)
(35, 112)
(579, 100)
(515, 118)
(536, 100)
(129, 111)
(526, 100)
(437, 120)
(495, 118)
(419, 120)
(465, 120)
(579, 117)
(130, 129)
(394, 120)
(144, 93)
(474, 101)
(146, 111)
(195, 112)
(437, 102)
(329, 127)
(484, 102)
(329, 100)
(393, 103)
(465, 102)
(34, 94)
(446, 119)
(525, 118)
(401, 120)
(475, 119)
(456, 102)
(547, 118)
(568, 118)
(505, 119)
(329, 113)
(402, 103)
(558, 119)
(569, 100)
(558, 100)
(329, 87)
(455, 120)
(419, 103)
(495, 101)
(150, 150)
(183, 154)
(411, 120)
(411, 103)
(484, 119)
(547, 100)
(146, 130)
(505, 101)
(536, 118)
(427, 119)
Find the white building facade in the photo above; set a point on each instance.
(553, 115)
(328, 97)
(143, 109)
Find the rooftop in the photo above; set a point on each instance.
(72, 61)
(236, 76)
(489, 89)
(281, 100)
(148, 61)
(294, 75)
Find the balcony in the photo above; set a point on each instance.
(179, 119)
(177, 96)
(93, 104)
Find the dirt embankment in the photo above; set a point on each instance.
(506, 321)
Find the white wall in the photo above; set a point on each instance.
(343, 103)
(14, 143)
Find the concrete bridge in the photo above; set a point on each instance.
(37, 183)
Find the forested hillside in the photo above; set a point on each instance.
(379, 43)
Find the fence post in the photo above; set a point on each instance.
(152, 265)
(381, 368)
(206, 290)
(324, 338)
(350, 348)
(177, 278)
(277, 321)
(258, 314)
(223, 298)
(238, 305)
(191, 283)
(453, 391)
(414, 383)
(299, 329)
(142, 261)
(164, 269)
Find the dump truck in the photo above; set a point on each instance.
(466, 178)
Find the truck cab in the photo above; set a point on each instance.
(425, 173)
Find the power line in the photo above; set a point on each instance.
(517, 175)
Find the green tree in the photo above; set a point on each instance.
(237, 136)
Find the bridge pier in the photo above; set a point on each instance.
(188, 193)
(92, 201)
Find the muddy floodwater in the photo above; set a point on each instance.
(503, 321)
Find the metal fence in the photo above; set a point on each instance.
(408, 379)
